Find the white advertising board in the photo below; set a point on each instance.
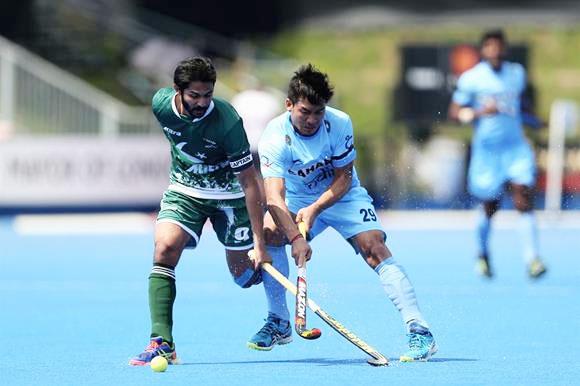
(77, 171)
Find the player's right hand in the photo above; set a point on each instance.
(301, 251)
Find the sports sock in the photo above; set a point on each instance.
(483, 229)
(275, 292)
(162, 294)
(528, 230)
(400, 291)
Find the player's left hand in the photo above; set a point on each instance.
(307, 216)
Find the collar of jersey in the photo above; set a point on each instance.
(490, 67)
(299, 133)
(174, 107)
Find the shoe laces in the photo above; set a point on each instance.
(152, 346)
(269, 328)
(416, 341)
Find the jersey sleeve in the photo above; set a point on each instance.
(161, 106)
(522, 77)
(274, 154)
(237, 148)
(463, 94)
(343, 151)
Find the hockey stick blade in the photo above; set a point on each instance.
(377, 359)
(300, 316)
(301, 298)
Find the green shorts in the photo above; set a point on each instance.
(229, 218)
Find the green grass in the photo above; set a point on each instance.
(365, 66)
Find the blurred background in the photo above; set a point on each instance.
(77, 77)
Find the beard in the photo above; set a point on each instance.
(194, 111)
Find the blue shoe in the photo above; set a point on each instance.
(422, 345)
(275, 331)
(156, 347)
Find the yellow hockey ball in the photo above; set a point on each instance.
(159, 364)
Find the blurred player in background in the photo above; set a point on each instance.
(489, 95)
(211, 172)
(257, 106)
(307, 157)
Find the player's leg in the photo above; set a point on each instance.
(356, 220)
(485, 214)
(175, 230)
(233, 228)
(485, 181)
(528, 229)
(400, 291)
(521, 171)
(277, 329)
(170, 240)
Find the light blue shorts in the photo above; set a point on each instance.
(491, 168)
(352, 214)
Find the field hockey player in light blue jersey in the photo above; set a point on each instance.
(490, 95)
(307, 157)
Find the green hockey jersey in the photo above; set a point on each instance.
(206, 153)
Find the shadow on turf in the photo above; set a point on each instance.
(321, 361)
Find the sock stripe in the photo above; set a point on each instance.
(163, 269)
(382, 265)
(169, 272)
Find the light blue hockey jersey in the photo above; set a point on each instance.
(481, 85)
(307, 162)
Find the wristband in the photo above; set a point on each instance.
(296, 238)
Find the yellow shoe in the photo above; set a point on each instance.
(482, 267)
(536, 268)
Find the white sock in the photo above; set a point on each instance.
(529, 235)
(400, 291)
(275, 292)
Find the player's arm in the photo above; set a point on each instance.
(338, 188)
(276, 198)
(256, 205)
(527, 108)
(237, 149)
(529, 118)
(453, 112)
(461, 106)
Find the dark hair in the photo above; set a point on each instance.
(308, 82)
(493, 34)
(196, 69)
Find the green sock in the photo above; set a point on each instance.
(162, 294)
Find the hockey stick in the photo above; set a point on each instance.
(300, 311)
(377, 359)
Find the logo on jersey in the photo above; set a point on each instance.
(288, 140)
(210, 144)
(242, 234)
(348, 142)
(189, 157)
(312, 168)
(327, 126)
(241, 162)
(324, 174)
(265, 161)
(172, 132)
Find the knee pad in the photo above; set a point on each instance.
(249, 278)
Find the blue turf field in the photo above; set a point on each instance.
(74, 309)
